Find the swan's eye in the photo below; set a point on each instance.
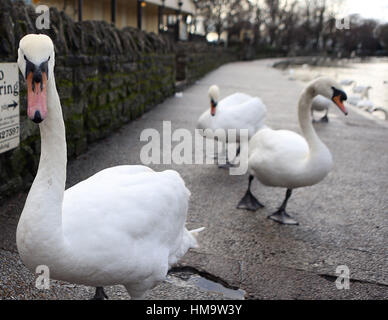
(25, 58)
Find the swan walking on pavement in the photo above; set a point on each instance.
(123, 225)
(282, 158)
(237, 111)
(320, 103)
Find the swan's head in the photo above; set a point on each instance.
(36, 63)
(214, 94)
(330, 89)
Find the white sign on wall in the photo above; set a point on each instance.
(9, 106)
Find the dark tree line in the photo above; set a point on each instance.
(296, 26)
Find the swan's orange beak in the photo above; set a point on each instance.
(37, 96)
(337, 100)
(213, 106)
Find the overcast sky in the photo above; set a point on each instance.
(376, 9)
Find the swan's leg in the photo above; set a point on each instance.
(218, 154)
(136, 292)
(237, 153)
(249, 202)
(281, 215)
(312, 116)
(227, 163)
(100, 294)
(325, 118)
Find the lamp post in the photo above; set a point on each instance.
(140, 5)
(113, 10)
(178, 21)
(161, 13)
(79, 10)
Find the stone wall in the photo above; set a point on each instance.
(105, 78)
(195, 59)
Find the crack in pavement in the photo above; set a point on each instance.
(203, 273)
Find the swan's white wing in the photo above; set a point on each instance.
(234, 99)
(130, 220)
(247, 115)
(277, 157)
(205, 120)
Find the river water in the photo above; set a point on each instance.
(372, 72)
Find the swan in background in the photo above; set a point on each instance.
(320, 103)
(366, 105)
(361, 93)
(124, 225)
(291, 73)
(347, 82)
(363, 90)
(282, 158)
(380, 113)
(237, 111)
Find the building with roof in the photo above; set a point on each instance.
(175, 17)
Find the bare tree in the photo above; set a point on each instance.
(382, 34)
(304, 26)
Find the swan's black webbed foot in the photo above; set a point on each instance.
(249, 202)
(100, 294)
(226, 165)
(281, 216)
(324, 119)
(215, 156)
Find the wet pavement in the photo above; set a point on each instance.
(343, 219)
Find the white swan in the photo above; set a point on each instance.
(124, 225)
(380, 113)
(282, 158)
(366, 104)
(320, 103)
(363, 90)
(347, 82)
(237, 111)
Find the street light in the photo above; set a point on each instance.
(140, 4)
(161, 13)
(178, 22)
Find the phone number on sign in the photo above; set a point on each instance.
(9, 133)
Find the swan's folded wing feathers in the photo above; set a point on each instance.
(234, 99)
(142, 205)
(247, 115)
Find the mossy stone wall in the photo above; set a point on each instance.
(105, 77)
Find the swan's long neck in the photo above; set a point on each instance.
(305, 121)
(319, 161)
(40, 227)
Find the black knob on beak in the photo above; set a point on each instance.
(37, 77)
(37, 117)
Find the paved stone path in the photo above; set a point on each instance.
(343, 220)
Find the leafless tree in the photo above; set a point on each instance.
(382, 34)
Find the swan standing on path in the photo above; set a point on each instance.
(124, 225)
(237, 111)
(320, 103)
(282, 158)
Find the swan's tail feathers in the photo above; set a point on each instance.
(194, 233)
